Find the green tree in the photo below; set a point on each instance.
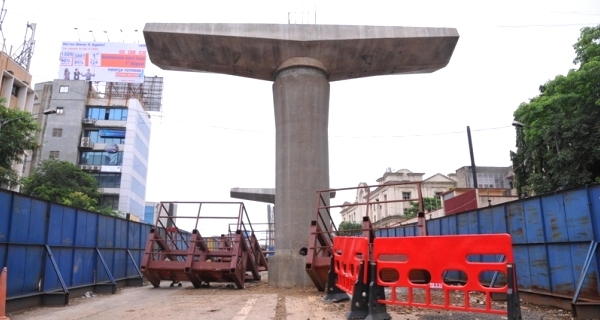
(559, 144)
(79, 199)
(349, 228)
(17, 134)
(429, 204)
(64, 182)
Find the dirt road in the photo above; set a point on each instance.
(220, 301)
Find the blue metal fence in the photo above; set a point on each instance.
(52, 249)
(555, 239)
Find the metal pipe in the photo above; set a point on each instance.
(473, 168)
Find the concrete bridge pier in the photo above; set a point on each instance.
(301, 99)
(301, 60)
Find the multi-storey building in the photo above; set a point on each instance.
(15, 89)
(15, 84)
(487, 177)
(390, 200)
(104, 133)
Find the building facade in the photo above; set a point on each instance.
(15, 84)
(107, 136)
(487, 177)
(16, 90)
(390, 200)
(466, 199)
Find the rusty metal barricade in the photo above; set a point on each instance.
(322, 231)
(176, 255)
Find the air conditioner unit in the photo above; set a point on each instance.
(95, 168)
(84, 167)
(89, 121)
(86, 143)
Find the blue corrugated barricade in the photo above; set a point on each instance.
(52, 250)
(555, 243)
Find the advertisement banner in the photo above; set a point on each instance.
(107, 133)
(102, 61)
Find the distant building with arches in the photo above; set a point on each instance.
(380, 209)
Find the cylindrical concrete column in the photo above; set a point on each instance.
(301, 98)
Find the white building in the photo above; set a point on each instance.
(389, 201)
(105, 134)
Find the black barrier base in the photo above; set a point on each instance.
(359, 307)
(377, 311)
(513, 303)
(333, 293)
(364, 303)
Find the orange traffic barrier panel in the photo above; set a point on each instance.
(351, 267)
(348, 254)
(3, 295)
(459, 272)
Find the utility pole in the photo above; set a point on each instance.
(473, 169)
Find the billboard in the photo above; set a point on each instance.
(102, 61)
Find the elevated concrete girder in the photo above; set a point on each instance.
(257, 50)
(259, 194)
(301, 60)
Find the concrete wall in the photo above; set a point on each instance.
(70, 120)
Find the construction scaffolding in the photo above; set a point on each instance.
(148, 93)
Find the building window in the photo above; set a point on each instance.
(60, 110)
(101, 158)
(108, 180)
(405, 211)
(15, 91)
(63, 89)
(438, 194)
(405, 195)
(108, 136)
(110, 201)
(101, 113)
(54, 154)
(57, 132)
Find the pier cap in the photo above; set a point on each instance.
(259, 50)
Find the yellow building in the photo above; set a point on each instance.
(15, 84)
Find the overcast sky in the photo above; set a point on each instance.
(217, 132)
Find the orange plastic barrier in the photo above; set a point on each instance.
(444, 272)
(348, 253)
(3, 295)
